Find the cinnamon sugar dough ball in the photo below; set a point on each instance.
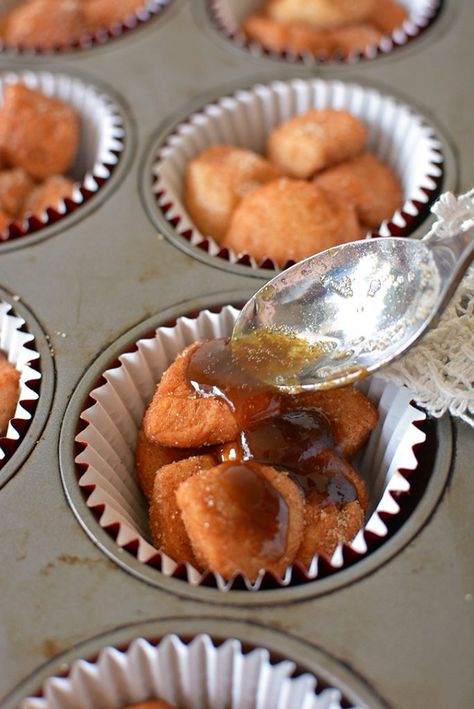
(353, 38)
(150, 457)
(217, 179)
(295, 37)
(290, 219)
(9, 392)
(15, 186)
(242, 522)
(387, 15)
(367, 183)
(323, 14)
(168, 532)
(48, 195)
(316, 139)
(38, 133)
(45, 24)
(106, 13)
(329, 520)
(178, 416)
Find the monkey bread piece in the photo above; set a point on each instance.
(106, 13)
(45, 24)
(215, 182)
(354, 38)
(242, 518)
(336, 515)
(48, 195)
(178, 416)
(323, 14)
(351, 414)
(294, 37)
(290, 219)
(367, 183)
(5, 221)
(168, 532)
(151, 704)
(15, 185)
(150, 457)
(9, 392)
(38, 133)
(316, 139)
(387, 15)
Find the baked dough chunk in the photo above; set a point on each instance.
(290, 219)
(177, 416)
(294, 37)
(387, 15)
(215, 182)
(49, 194)
(316, 139)
(367, 183)
(38, 133)
(354, 38)
(168, 532)
(5, 221)
(15, 185)
(323, 14)
(327, 521)
(9, 392)
(227, 533)
(45, 24)
(106, 13)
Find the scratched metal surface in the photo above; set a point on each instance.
(404, 627)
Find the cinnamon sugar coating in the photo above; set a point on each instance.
(323, 14)
(295, 37)
(45, 24)
(49, 194)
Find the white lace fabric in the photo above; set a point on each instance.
(440, 369)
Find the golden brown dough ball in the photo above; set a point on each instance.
(387, 15)
(217, 179)
(367, 183)
(38, 133)
(48, 195)
(106, 13)
(290, 219)
(179, 417)
(9, 392)
(323, 14)
(327, 522)
(294, 37)
(15, 185)
(45, 24)
(316, 139)
(168, 532)
(353, 38)
(242, 518)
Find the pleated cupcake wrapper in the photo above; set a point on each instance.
(19, 347)
(396, 134)
(188, 676)
(149, 10)
(101, 140)
(107, 458)
(228, 15)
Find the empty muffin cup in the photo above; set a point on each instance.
(101, 142)
(228, 16)
(18, 346)
(398, 135)
(39, 31)
(106, 462)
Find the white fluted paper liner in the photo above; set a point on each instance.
(149, 9)
(396, 134)
(101, 138)
(229, 14)
(188, 676)
(18, 346)
(109, 438)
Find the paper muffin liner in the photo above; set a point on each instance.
(396, 134)
(106, 462)
(228, 15)
(101, 142)
(150, 9)
(19, 347)
(188, 675)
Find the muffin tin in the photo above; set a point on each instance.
(107, 276)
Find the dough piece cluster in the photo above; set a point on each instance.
(206, 512)
(9, 392)
(317, 188)
(39, 140)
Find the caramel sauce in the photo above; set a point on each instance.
(265, 510)
(271, 432)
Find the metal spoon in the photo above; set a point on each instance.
(353, 308)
